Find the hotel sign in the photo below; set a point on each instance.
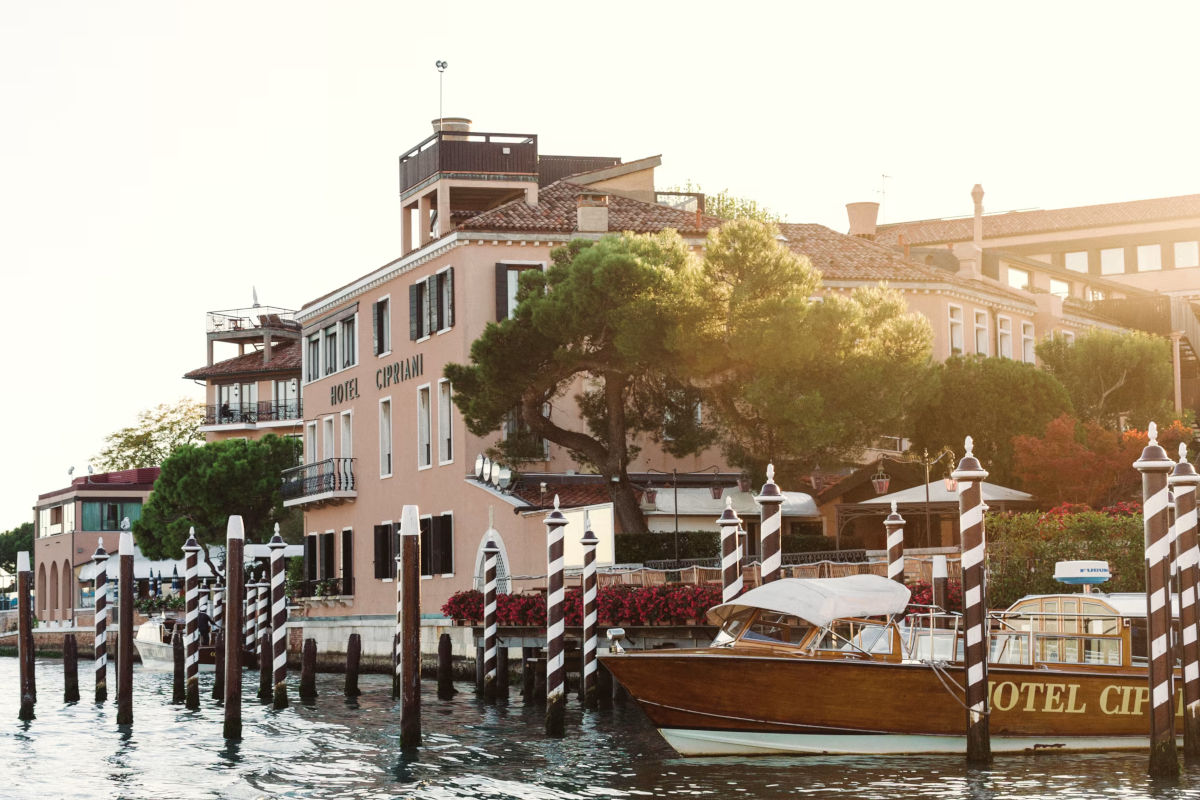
(396, 372)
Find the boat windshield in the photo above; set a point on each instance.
(768, 626)
(856, 635)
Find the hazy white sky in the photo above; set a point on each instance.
(159, 158)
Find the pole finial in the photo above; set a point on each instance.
(728, 501)
(491, 517)
(1182, 452)
(587, 520)
(1152, 432)
(770, 472)
(894, 511)
(125, 521)
(969, 444)
(556, 502)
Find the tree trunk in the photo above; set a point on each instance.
(625, 506)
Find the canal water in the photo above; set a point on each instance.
(340, 749)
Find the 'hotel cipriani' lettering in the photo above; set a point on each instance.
(1065, 698)
(346, 390)
(411, 367)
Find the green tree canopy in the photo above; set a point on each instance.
(726, 205)
(155, 436)
(1109, 375)
(202, 486)
(990, 399)
(14, 541)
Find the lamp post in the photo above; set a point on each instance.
(674, 473)
(881, 478)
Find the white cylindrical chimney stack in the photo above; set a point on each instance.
(863, 217)
(451, 125)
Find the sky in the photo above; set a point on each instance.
(160, 159)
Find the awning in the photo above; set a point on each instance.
(821, 600)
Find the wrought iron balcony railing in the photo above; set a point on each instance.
(321, 480)
(327, 587)
(251, 413)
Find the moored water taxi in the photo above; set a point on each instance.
(154, 647)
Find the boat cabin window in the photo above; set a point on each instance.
(734, 625)
(771, 626)
(850, 636)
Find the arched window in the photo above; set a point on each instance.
(52, 595)
(41, 591)
(503, 584)
(68, 591)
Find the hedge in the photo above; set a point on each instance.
(638, 548)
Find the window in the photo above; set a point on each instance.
(520, 440)
(1018, 278)
(431, 305)
(1077, 261)
(286, 397)
(310, 443)
(310, 557)
(1027, 346)
(314, 358)
(424, 443)
(507, 283)
(956, 330)
(327, 445)
(981, 333)
(349, 343)
(382, 326)
(331, 350)
(385, 437)
(107, 515)
(326, 546)
(1060, 288)
(1149, 257)
(347, 435)
(1187, 254)
(1004, 337)
(445, 424)
(347, 561)
(1096, 294)
(1069, 336)
(385, 553)
(437, 545)
(1112, 261)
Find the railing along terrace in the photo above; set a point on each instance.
(327, 587)
(463, 151)
(320, 477)
(244, 319)
(265, 411)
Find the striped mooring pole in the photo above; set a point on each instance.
(250, 611)
(1154, 466)
(1183, 480)
(262, 615)
(970, 475)
(125, 633)
(235, 548)
(398, 636)
(731, 552)
(555, 627)
(590, 613)
(100, 622)
(771, 501)
(191, 637)
(491, 554)
(894, 524)
(278, 620)
(410, 627)
(25, 661)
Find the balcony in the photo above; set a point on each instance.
(325, 588)
(328, 482)
(476, 154)
(252, 413)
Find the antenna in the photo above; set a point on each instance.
(441, 68)
(883, 179)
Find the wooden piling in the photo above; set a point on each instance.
(308, 671)
(479, 670)
(235, 549)
(410, 627)
(587, 683)
(353, 657)
(1183, 480)
(894, 525)
(502, 672)
(278, 620)
(25, 634)
(445, 675)
(70, 669)
(218, 690)
(1154, 466)
(527, 674)
(125, 634)
(770, 500)
(491, 554)
(179, 680)
(604, 687)
(100, 623)
(970, 475)
(191, 635)
(266, 674)
(555, 627)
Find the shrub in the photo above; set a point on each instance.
(651, 605)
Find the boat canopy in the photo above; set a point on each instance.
(819, 601)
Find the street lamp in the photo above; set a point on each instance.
(881, 479)
(674, 473)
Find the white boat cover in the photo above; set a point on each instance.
(821, 600)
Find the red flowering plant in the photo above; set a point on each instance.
(692, 602)
(466, 605)
(922, 597)
(1123, 509)
(614, 604)
(521, 609)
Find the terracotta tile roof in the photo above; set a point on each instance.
(571, 491)
(936, 231)
(285, 357)
(556, 209)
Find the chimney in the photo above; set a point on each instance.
(863, 217)
(977, 196)
(592, 213)
(452, 125)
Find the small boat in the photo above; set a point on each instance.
(153, 643)
(833, 666)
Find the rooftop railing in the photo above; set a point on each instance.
(461, 151)
(251, 413)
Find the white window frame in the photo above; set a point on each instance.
(955, 324)
(1145, 253)
(348, 343)
(312, 370)
(423, 446)
(1195, 251)
(1028, 354)
(1069, 336)
(1004, 337)
(1103, 258)
(346, 433)
(981, 328)
(310, 442)
(386, 439)
(387, 324)
(337, 353)
(329, 436)
(1012, 272)
(1066, 290)
(442, 307)
(445, 421)
(391, 572)
(1086, 261)
(521, 266)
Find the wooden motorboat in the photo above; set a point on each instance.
(154, 647)
(832, 666)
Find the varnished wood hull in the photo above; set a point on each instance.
(719, 701)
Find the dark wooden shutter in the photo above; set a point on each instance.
(448, 298)
(414, 311)
(376, 328)
(427, 545)
(382, 543)
(431, 306)
(326, 555)
(310, 558)
(347, 562)
(501, 292)
(445, 546)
